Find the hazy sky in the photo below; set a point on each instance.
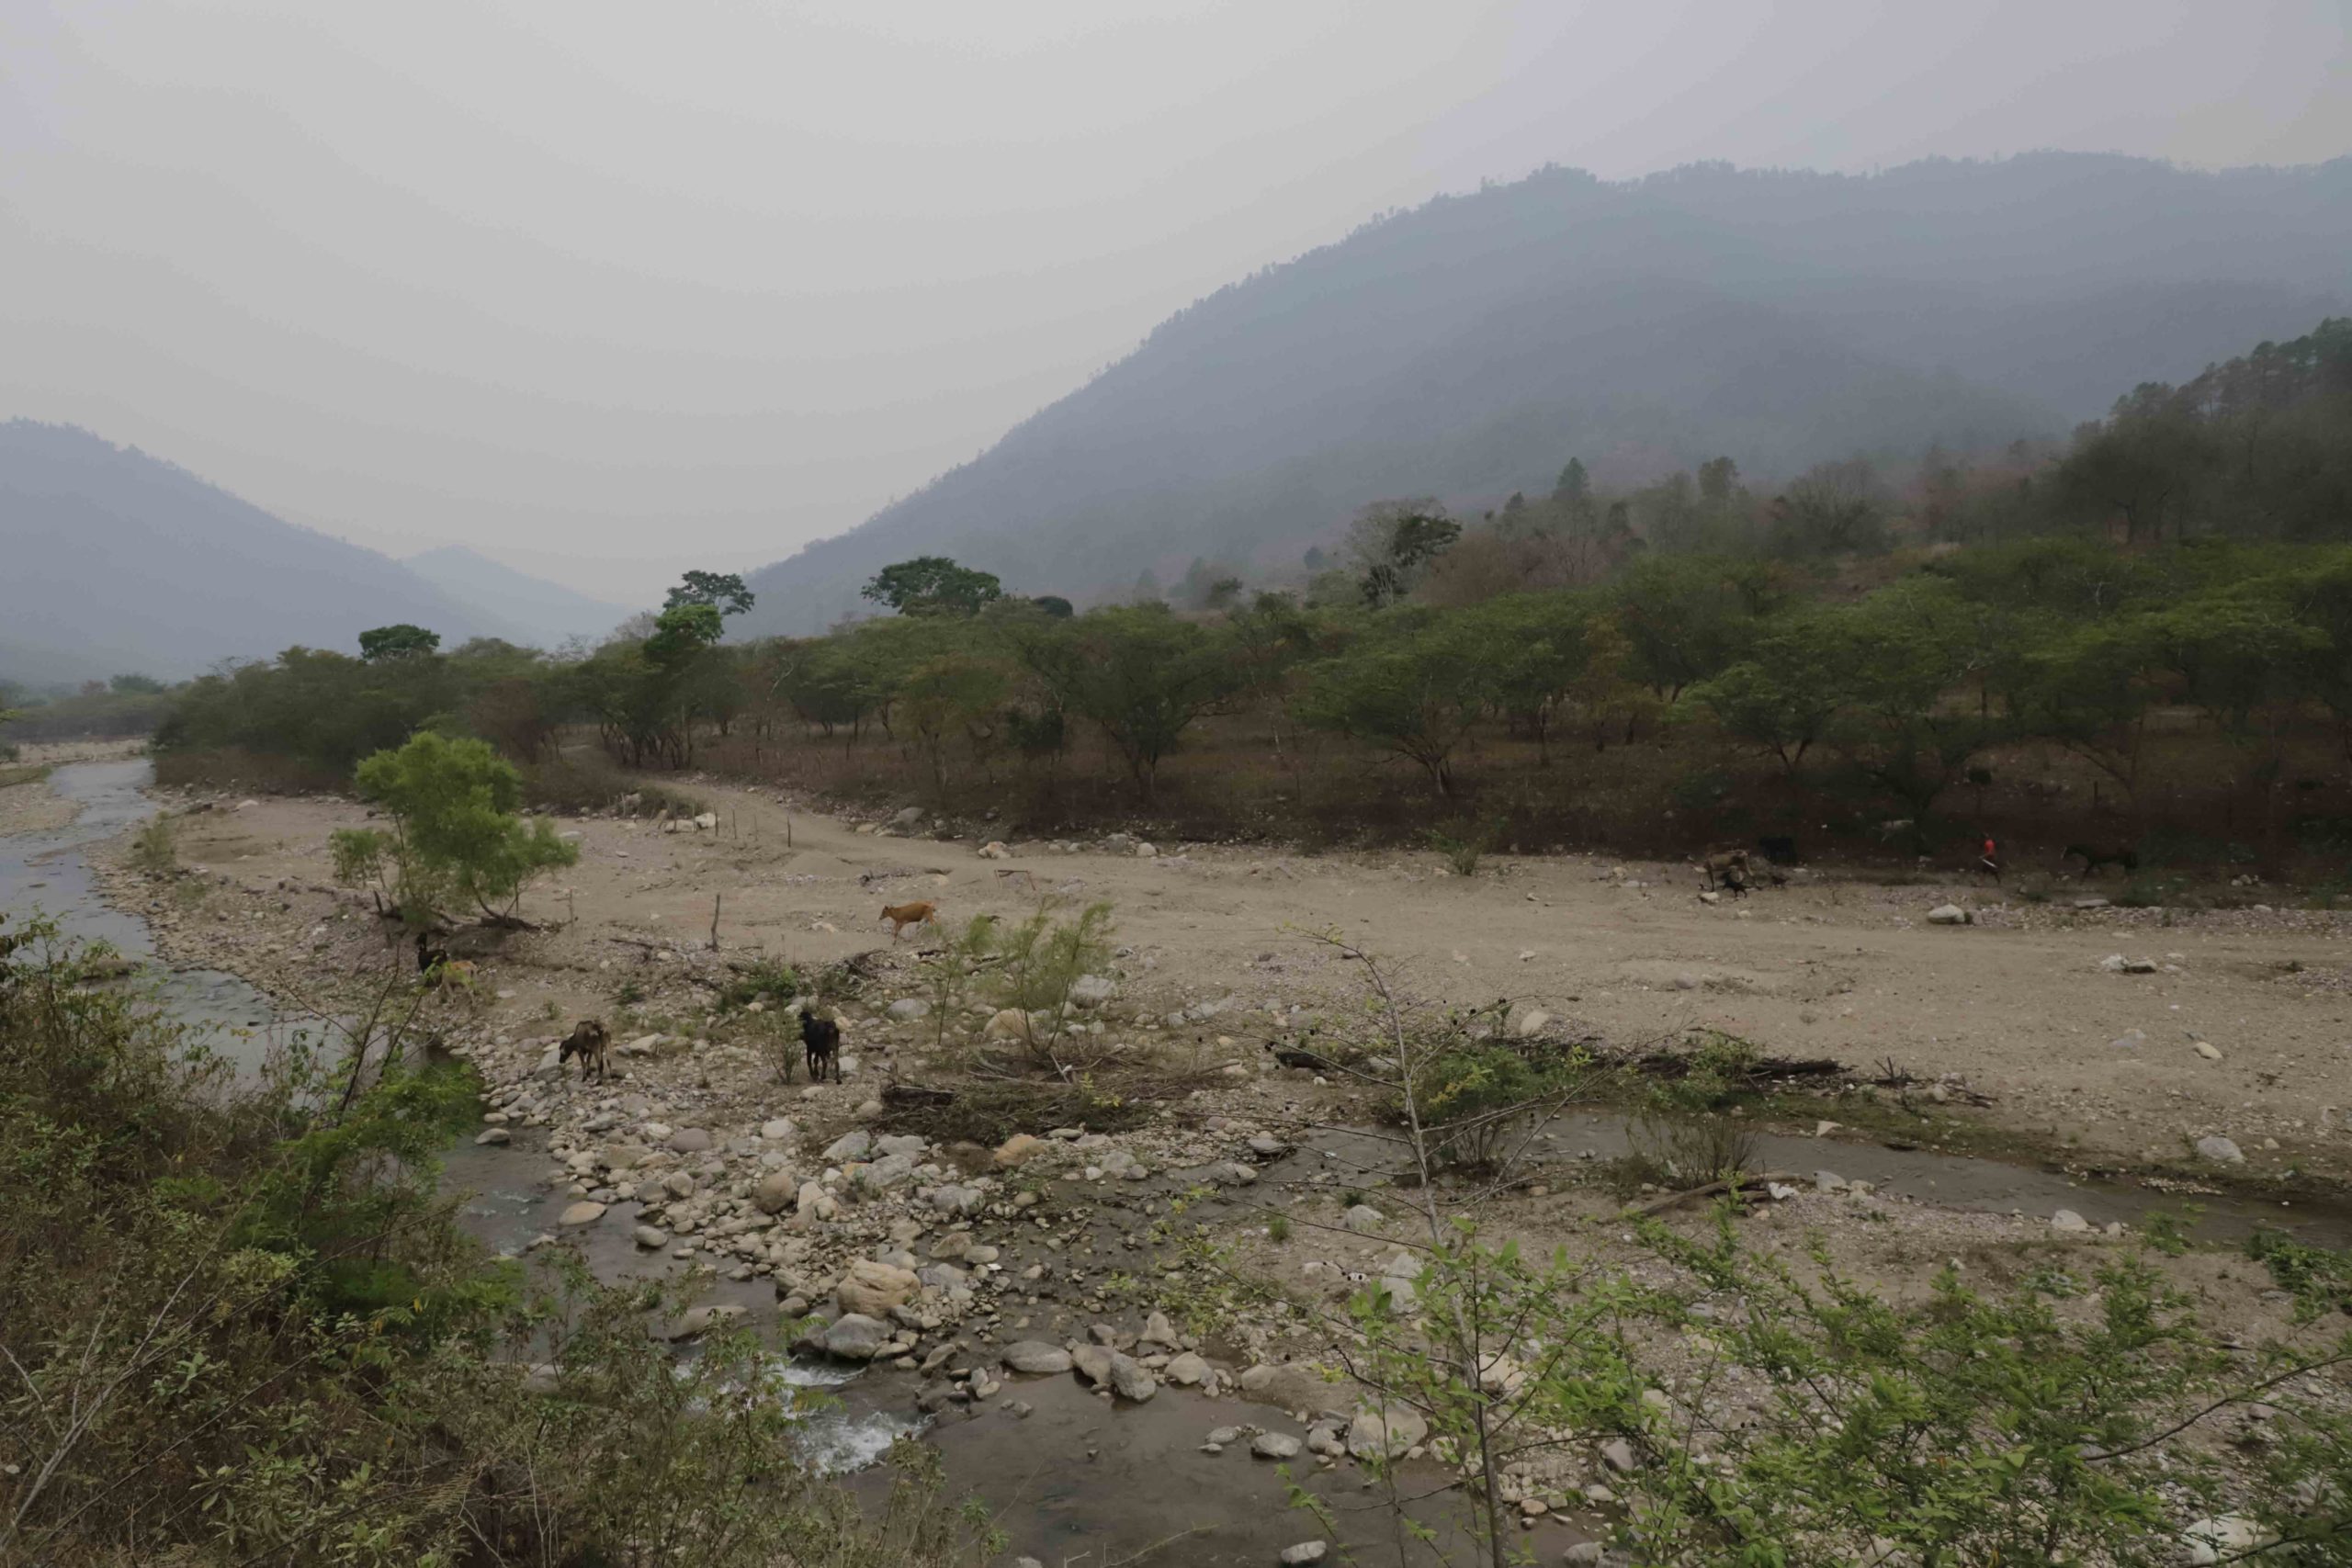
(608, 289)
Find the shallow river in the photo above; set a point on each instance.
(1076, 1481)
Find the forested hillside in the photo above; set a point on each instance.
(2136, 641)
(1464, 350)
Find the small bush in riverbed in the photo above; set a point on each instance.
(764, 981)
(155, 847)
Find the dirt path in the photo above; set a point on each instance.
(2018, 1003)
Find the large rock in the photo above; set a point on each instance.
(779, 1131)
(1129, 1381)
(849, 1146)
(1385, 1434)
(699, 1321)
(2220, 1150)
(1036, 1355)
(873, 1289)
(1092, 990)
(776, 1191)
(854, 1337)
(1400, 1276)
(1948, 915)
(1185, 1371)
(1158, 1331)
(1105, 1368)
(691, 1141)
(1304, 1552)
(582, 1213)
(1094, 1363)
(1274, 1445)
(2225, 1537)
(910, 1009)
(814, 1202)
(649, 1237)
(1009, 1023)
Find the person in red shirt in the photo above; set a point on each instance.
(1989, 862)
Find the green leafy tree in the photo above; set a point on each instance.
(454, 835)
(723, 591)
(1783, 697)
(1686, 618)
(932, 585)
(1895, 658)
(681, 632)
(401, 641)
(956, 693)
(1141, 673)
(1415, 692)
(135, 685)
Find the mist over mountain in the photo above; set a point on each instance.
(545, 613)
(1468, 347)
(114, 561)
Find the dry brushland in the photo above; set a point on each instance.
(1191, 1177)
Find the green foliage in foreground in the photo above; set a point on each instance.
(1804, 1418)
(241, 1326)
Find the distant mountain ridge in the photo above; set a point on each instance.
(545, 614)
(113, 561)
(1470, 346)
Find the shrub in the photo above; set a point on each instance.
(1462, 843)
(764, 981)
(1040, 962)
(155, 847)
(1478, 1101)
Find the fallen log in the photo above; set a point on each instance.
(1712, 1190)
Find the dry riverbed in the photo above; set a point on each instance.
(1136, 1238)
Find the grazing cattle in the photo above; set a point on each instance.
(439, 969)
(587, 1042)
(2123, 857)
(821, 1038)
(1728, 868)
(901, 916)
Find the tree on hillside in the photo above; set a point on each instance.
(1054, 604)
(1393, 541)
(723, 591)
(932, 585)
(1575, 485)
(454, 835)
(135, 685)
(401, 641)
(1832, 508)
(1718, 479)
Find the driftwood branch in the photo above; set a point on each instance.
(1712, 1190)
